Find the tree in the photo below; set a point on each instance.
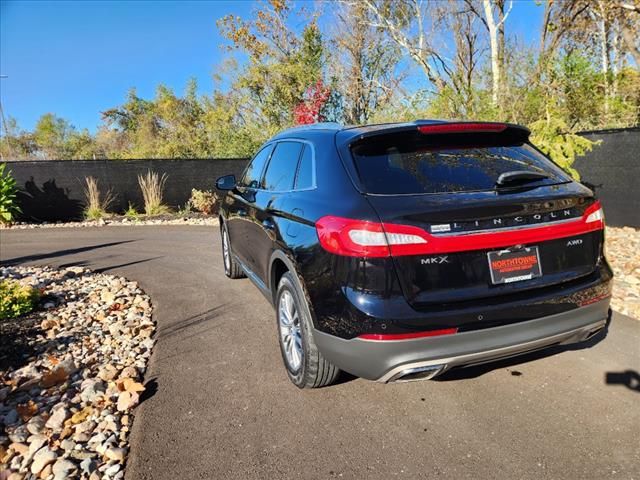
(17, 144)
(412, 25)
(51, 135)
(464, 95)
(281, 63)
(168, 126)
(364, 63)
(493, 17)
(286, 67)
(629, 13)
(552, 136)
(310, 110)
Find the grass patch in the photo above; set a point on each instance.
(152, 186)
(131, 213)
(96, 204)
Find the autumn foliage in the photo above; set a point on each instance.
(310, 110)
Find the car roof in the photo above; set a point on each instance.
(355, 129)
(346, 134)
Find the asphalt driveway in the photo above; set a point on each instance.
(221, 405)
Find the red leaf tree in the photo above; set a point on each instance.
(313, 101)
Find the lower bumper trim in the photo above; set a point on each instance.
(385, 361)
(444, 364)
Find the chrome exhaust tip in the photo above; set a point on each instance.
(417, 373)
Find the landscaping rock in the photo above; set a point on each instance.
(193, 219)
(58, 417)
(36, 424)
(42, 458)
(623, 252)
(63, 469)
(87, 352)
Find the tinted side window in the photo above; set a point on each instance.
(282, 167)
(304, 179)
(251, 177)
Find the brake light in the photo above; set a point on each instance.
(357, 238)
(407, 336)
(462, 128)
(594, 213)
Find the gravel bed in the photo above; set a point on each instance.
(71, 374)
(119, 221)
(623, 252)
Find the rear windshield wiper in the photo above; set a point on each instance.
(519, 176)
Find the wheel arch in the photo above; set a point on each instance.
(278, 265)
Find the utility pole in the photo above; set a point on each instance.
(4, 122)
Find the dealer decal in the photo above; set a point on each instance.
(507, 266)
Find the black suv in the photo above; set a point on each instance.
(397, 251)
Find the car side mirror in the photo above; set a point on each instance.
(228, 182)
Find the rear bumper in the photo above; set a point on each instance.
(386, 361)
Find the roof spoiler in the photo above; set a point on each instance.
(449, 130)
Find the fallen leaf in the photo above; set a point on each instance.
(54, 377)
(129, 385)
(49, 324)
(53, 359)
(116, 306)
(27, 410)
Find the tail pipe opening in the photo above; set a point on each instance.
(418, 373)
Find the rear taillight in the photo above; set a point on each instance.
(594, 213)
(357, 238)
(462, 128)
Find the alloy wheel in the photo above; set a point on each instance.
(225, 251)
(290, 334)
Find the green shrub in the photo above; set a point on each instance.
(8, 206)
(131, 212)
(203, 201)
(186, 209)
(16, 299)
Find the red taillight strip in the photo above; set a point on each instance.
(407, 336)
(390, 239)
(462, 128)
(481, 241)
(333, 233)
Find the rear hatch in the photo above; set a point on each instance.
(495, 216)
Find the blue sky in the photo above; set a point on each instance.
(76, 58)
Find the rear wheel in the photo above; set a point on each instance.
(305, 365)
(231, 267)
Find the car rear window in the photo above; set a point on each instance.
(410, 162)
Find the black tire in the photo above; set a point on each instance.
(313, 370)
(231, 268)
